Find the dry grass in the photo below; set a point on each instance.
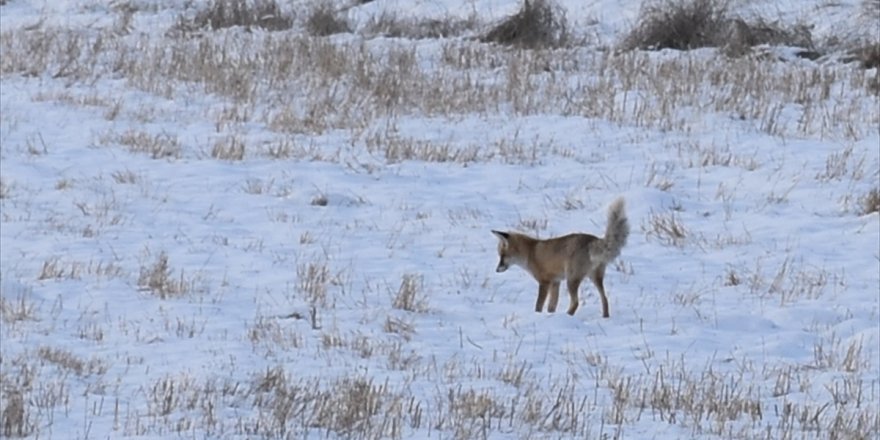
(273, 336)
(287, 148)
(538, 24)
(268, 69)
(219, 14)
(399, 326)
(125, 177)
(56, 268)
(388, 24)
(846, 163)
(397, 149)
(696, 154)
(158, 146)
(788, 281)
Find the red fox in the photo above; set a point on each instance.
(570, 257)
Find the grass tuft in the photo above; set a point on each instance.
(15, 418)
(410, 295)
(870, 202)
(5, 189)
(667, 228)
(160, 281)
(230, 148)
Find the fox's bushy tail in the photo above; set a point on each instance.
(616, 232)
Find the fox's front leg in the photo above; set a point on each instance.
(543, 289)
(553, 293)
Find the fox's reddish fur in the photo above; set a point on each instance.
(571, 257)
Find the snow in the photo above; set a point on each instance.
(770, 300)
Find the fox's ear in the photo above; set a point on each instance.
(503, 236)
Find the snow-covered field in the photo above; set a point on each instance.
(250, 234)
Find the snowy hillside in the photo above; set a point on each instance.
(259, 232)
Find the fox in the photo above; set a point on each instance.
(571, 257)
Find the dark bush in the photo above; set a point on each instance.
(868, 56)
(539, 23)
(678, 24)
(692, 24)
(323, 21)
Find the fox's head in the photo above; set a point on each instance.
(504, 255)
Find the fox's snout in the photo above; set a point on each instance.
(502, 250)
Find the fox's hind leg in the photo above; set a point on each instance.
(554, 297)
(597, 277)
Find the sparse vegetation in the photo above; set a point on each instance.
(219, 14)
(158, 146)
